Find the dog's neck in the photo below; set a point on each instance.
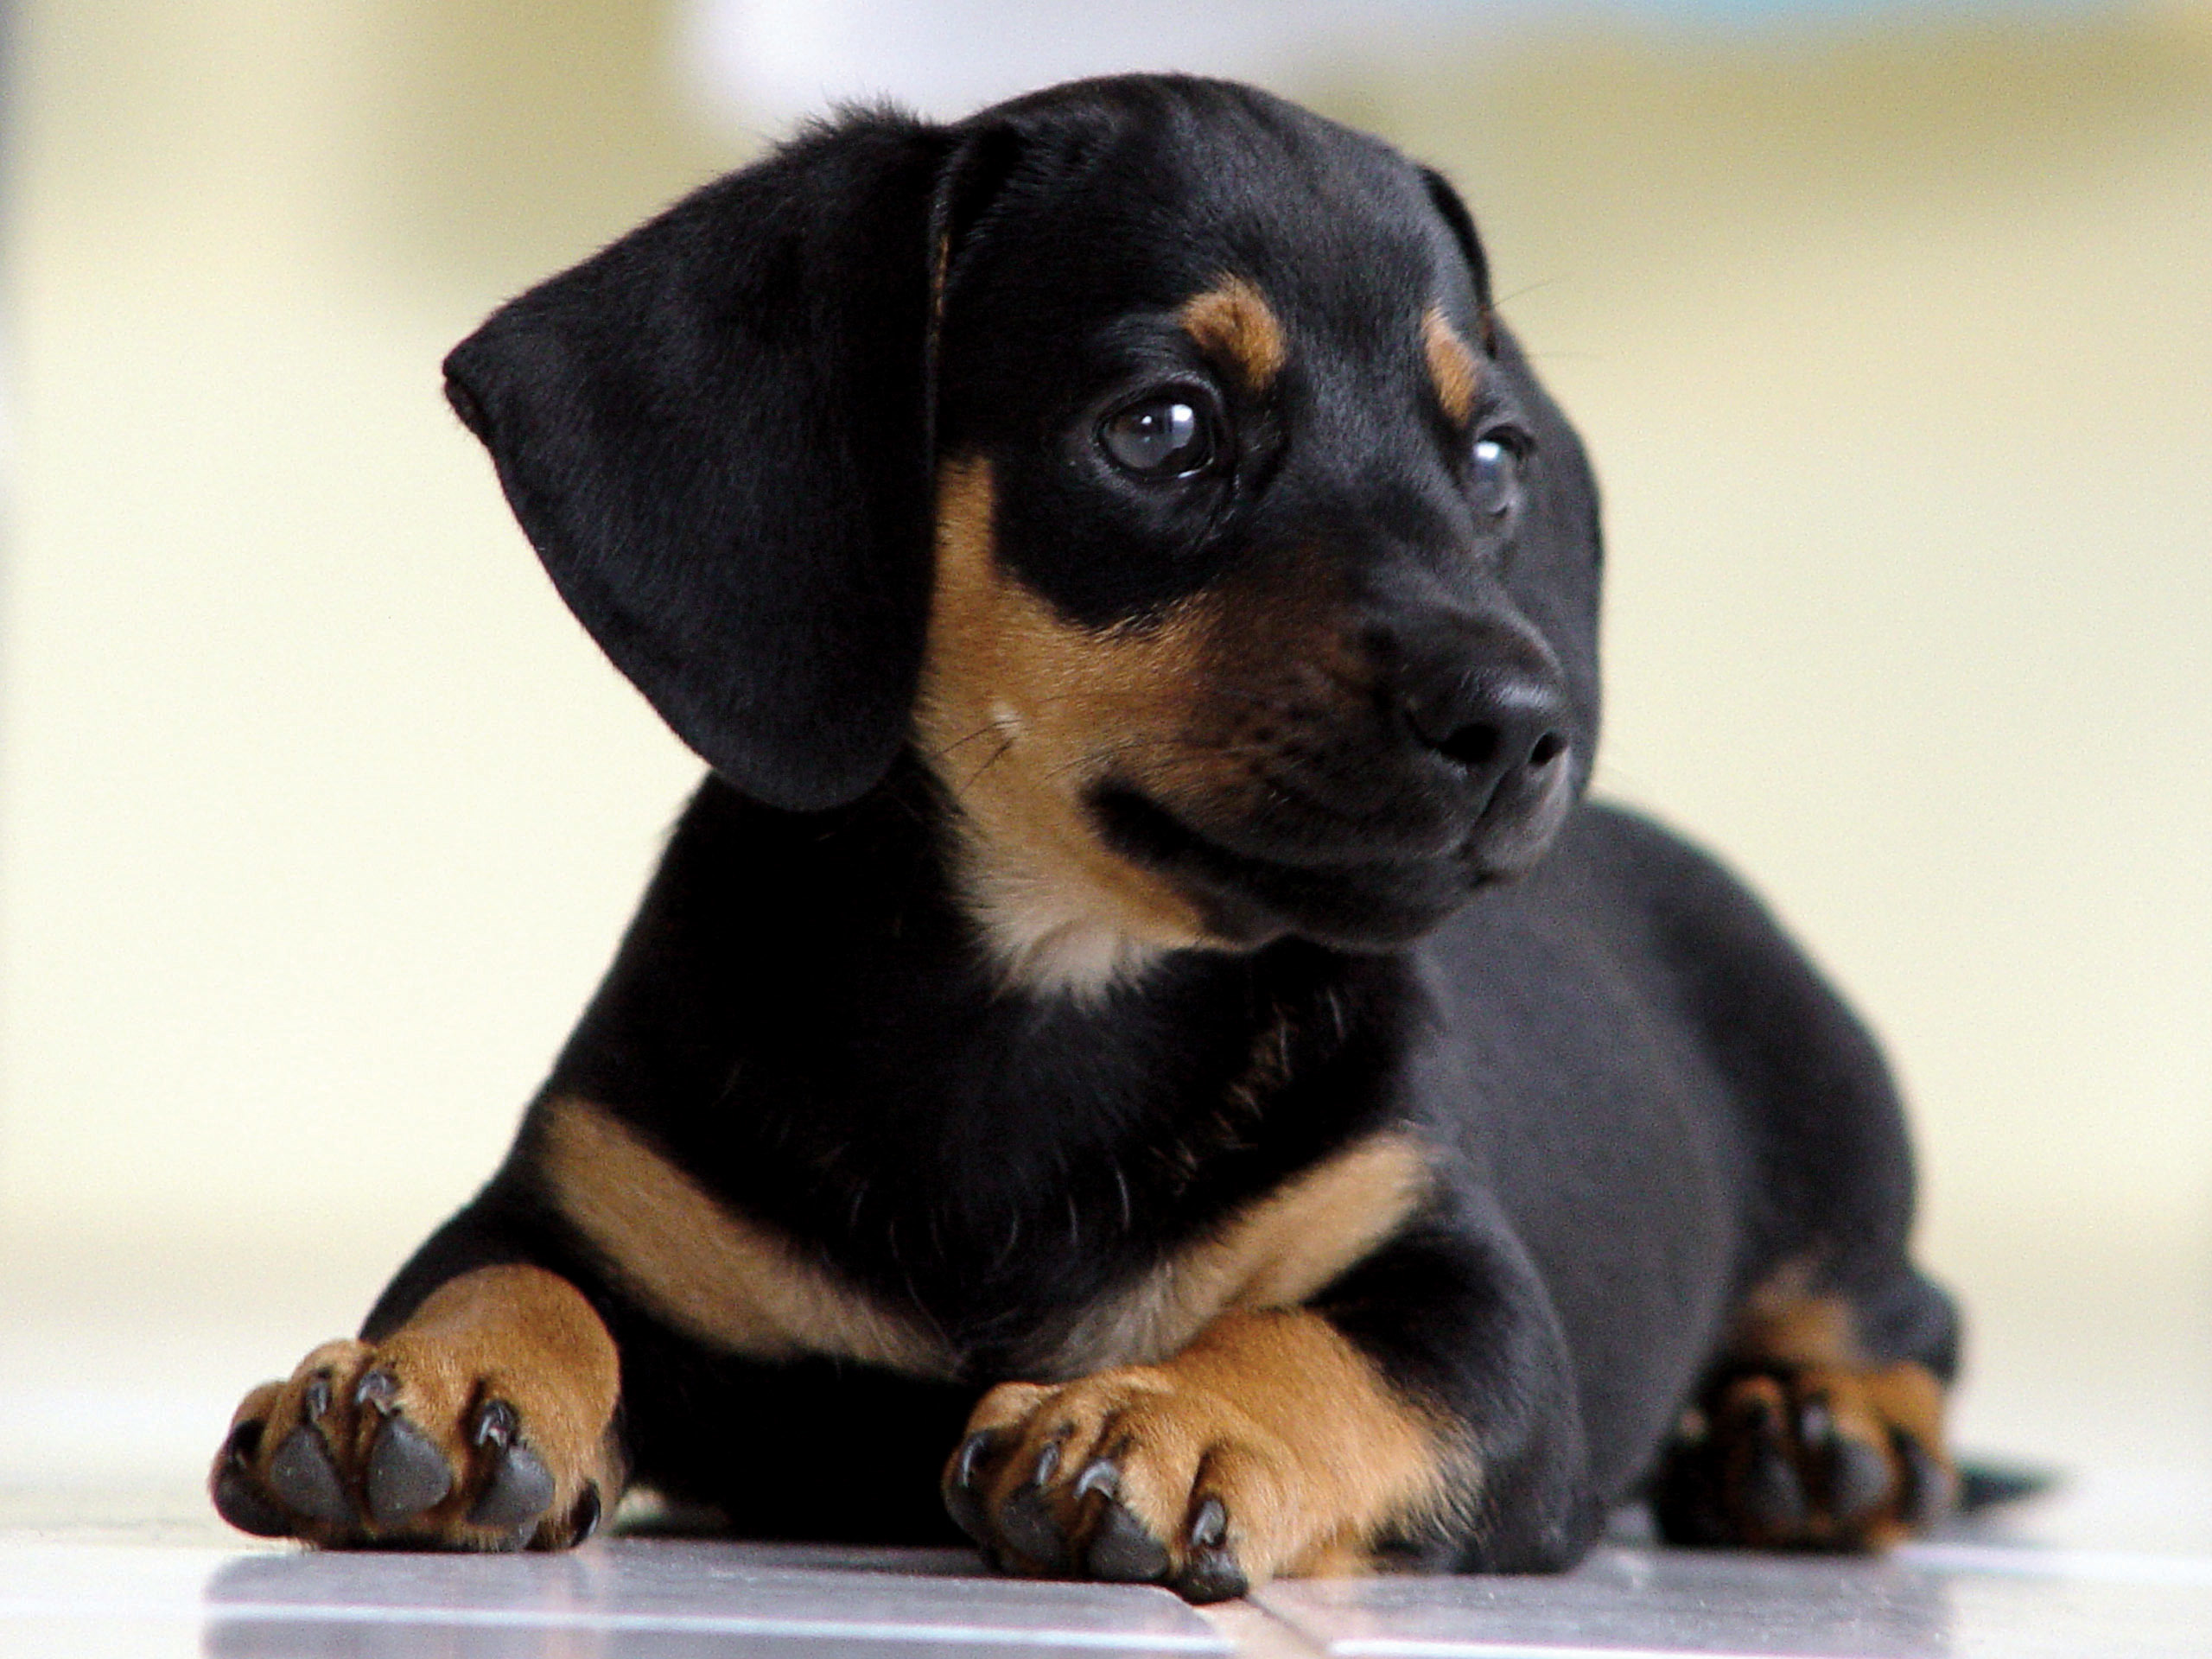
(807, 1015)
(1044, 934)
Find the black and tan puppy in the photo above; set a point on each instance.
(1137, 1044)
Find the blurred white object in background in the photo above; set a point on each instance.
(769, 61)
(766, 63)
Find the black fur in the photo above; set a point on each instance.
(721, 435)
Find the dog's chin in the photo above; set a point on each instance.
(1252, 894)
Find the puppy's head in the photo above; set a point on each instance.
(1144, 454)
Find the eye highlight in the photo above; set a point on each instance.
(1494, 472)
(1163, 435)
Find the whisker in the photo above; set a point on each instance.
(997, 755)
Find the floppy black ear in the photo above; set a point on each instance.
(716, 434)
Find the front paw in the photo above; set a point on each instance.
(465, 1429)
(1269, 1448)
(1123, 1476)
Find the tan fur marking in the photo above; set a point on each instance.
(526, 1336)
(1904, 1395)
(1234, 321)
(524, 1322)
(1274, 1253)
(1785, 1321)
(1020, 712)
(1312, 1454)
(1450, 365)
(1784, 1324)
(1362, 1459)
(726, 1281)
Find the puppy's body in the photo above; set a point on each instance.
(1140, 986)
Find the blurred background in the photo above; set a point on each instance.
(1891, 328)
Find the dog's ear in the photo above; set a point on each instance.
(1461, 223)
(716, 434)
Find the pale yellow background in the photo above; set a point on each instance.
(319, 817)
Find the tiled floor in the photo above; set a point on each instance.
(116, 1374)
(70, 1590)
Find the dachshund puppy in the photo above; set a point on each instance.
(1138, 1049)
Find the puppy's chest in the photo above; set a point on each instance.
(1122, 1259)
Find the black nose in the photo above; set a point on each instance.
(1498, 716)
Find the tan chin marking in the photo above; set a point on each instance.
(1275, 1252)
(1450, 365)
(726, 1280)
(1020, 714)
(1233, 322)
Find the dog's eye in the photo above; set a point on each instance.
(1166, 435)
(1494, 476)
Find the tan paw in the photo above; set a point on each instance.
(1268, 1448)
(483, 1423)
(1810, 1457)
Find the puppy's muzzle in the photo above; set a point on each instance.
(1483, 702)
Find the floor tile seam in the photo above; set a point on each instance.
(80, 1608)
(1257, 1632)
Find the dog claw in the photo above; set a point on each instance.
(520, 1489)
(1210, 1525)
(303, 1477)
(960, 1500)
(238, 1498)
(497, 1424)
(1122, 1550)
(407, 1473)
(1772, 1494)
(583, 1520)
(315, 1402)
(1929, 1488)
(378, 1389)
(1212, 1573)
(1099, 1475)
(1859, 1479)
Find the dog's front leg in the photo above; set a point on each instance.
(1420, 1409)
(483, 1421)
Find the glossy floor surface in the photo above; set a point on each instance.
(119, 1370)
(85, 1578)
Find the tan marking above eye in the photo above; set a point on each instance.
(1276, 1252)
(1450, 365)
(726, 1280)
(1233, 320)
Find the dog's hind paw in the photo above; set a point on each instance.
(483, 1423)
(1810, 1457)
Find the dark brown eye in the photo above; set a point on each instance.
(1166, 436)
(1494, 474)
